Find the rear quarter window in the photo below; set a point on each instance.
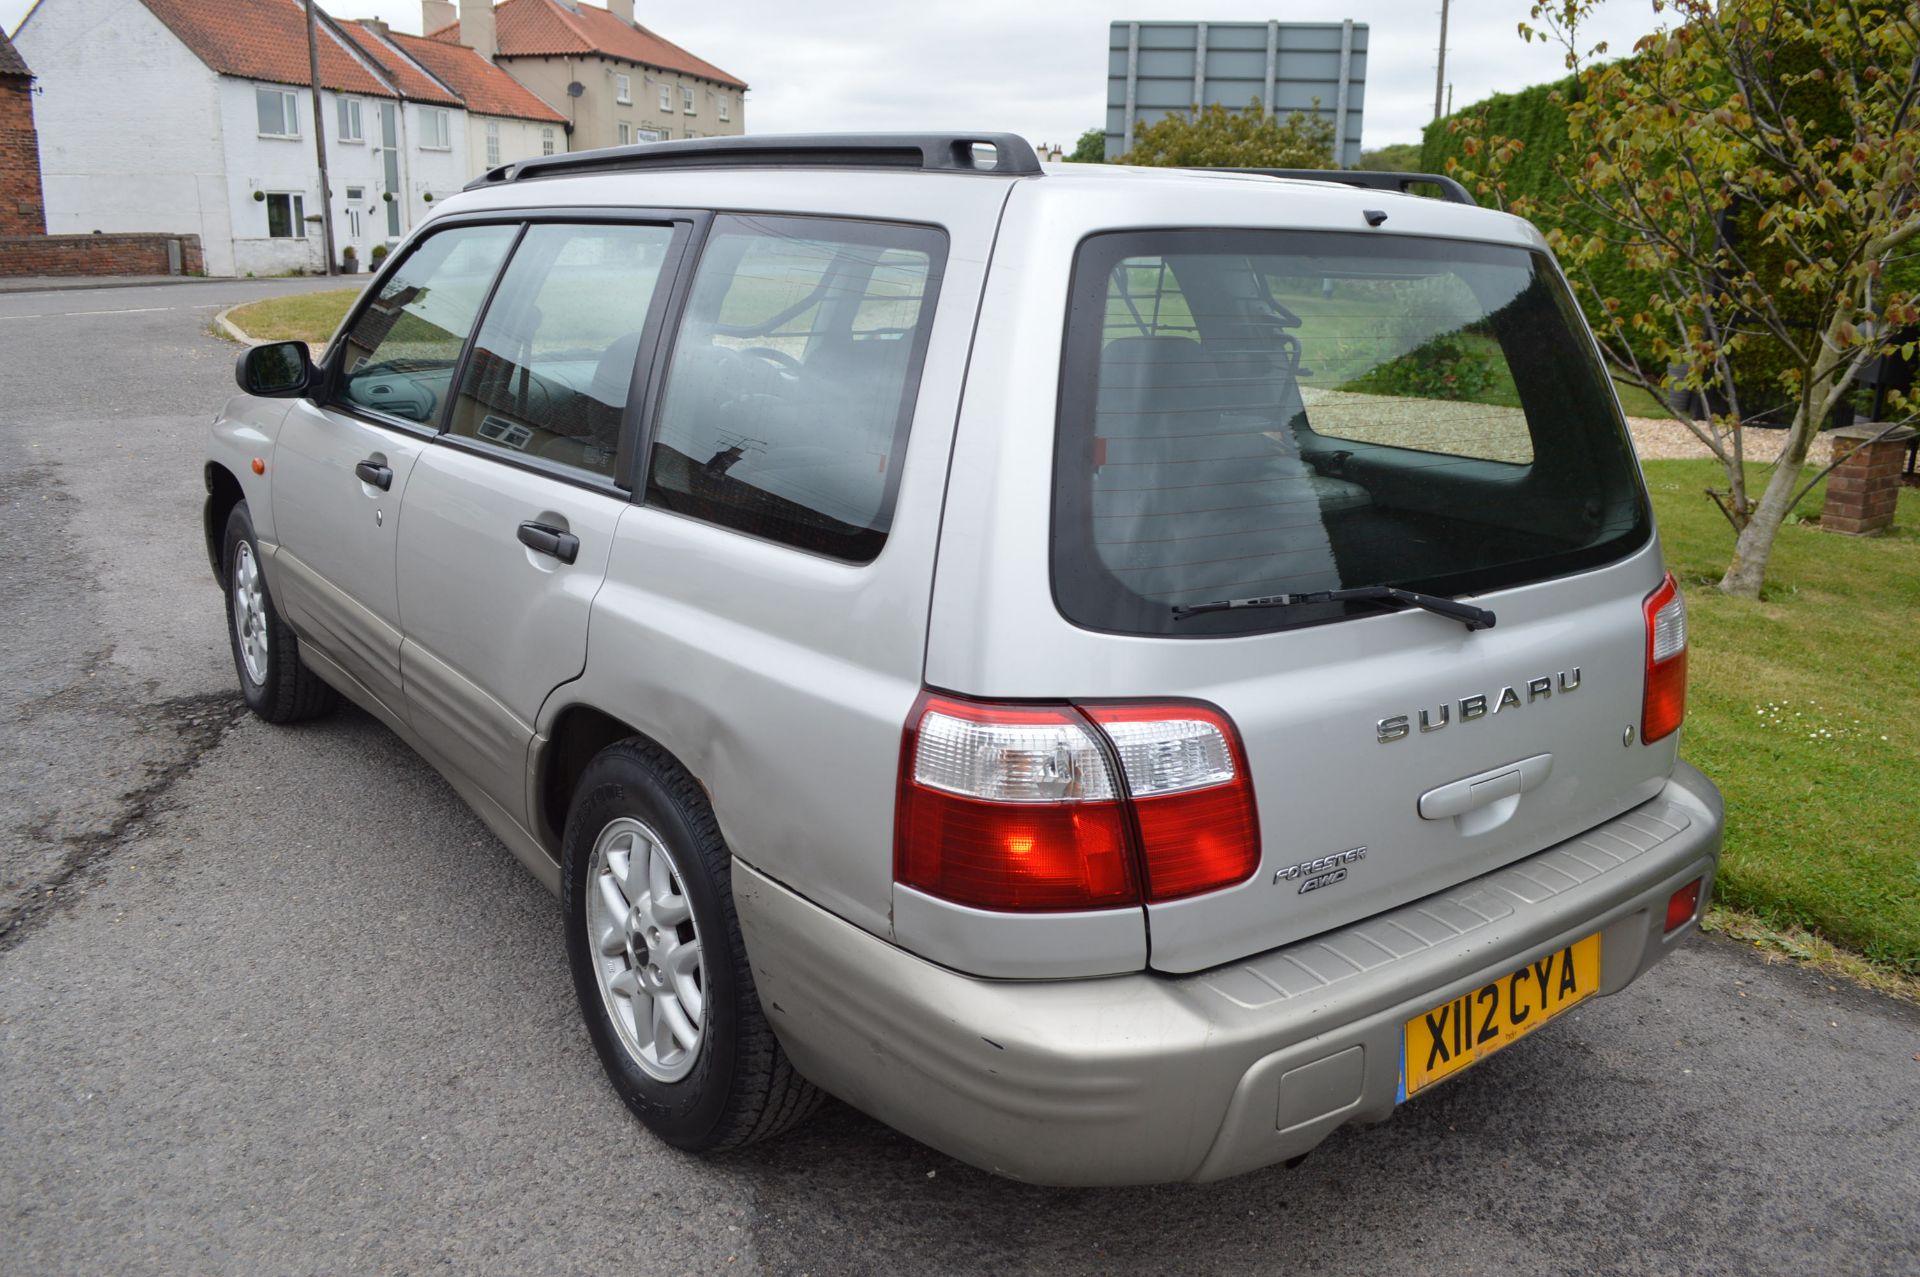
(791, 385)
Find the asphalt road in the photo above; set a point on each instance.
(272, 1001)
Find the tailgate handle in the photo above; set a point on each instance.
(1456, 798)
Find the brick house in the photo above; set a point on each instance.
(21, 208)
(616, 81)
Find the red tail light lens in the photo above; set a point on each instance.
(1038, 807)
(1664, 702)
(1683, 904)
(1010, 807)
(1192, 794)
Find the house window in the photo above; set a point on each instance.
(623, 89)
(666, 98)
(546, 141)
(626, 134)
(435, 132)
(726, 108)
(286, 215)
(686, 101)
(350, 120)
(279, 112)
(493, 143)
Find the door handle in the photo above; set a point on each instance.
(542, 539)
(1459, 797)
(373, 472)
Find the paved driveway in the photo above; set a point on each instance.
(273, 1001)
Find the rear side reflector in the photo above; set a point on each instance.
(1053, 807)
(1664, 702)
(1683, 905)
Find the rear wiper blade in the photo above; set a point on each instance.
(1474, 618)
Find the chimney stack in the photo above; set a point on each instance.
(476, 27)
(621, 9)
(435, 14)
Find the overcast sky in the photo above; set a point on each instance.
(1038, 67)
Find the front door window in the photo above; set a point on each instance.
(401, 350)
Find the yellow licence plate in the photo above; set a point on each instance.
(1479, 1022)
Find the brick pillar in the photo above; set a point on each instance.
(1864, 488)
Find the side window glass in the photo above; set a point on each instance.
(553, 363)
(402, 348)
(792, 380)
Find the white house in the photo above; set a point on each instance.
(195, 116)
(506, 121)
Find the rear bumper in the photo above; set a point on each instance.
(1145, 1078)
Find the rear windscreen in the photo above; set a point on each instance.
(1251, 413)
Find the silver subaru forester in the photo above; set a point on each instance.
(1116, 673)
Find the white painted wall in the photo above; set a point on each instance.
(271, 164)
(519, 140)
(129, 124)
(428, 172)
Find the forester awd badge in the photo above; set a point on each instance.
(1324, 872)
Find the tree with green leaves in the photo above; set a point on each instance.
(1214, 137)
(1090, 149)
(1755, 165)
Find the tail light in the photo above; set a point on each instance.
(1036, 807)
(1664, 702)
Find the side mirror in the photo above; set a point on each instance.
(277, 370)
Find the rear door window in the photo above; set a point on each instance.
(1252, 413)
(792, 380)
(553, 363)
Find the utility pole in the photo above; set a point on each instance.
(320, 136)
(1440, 74)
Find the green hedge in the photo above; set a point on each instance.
(1536, 119)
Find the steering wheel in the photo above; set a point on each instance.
(772, 356)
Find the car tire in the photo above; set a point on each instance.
(266, 653)
(645, 874)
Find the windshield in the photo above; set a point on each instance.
(1250, 413)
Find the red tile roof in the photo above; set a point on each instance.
(486, 88)
(537, 28)
(11, 63)
(264, 40)
(414, 84)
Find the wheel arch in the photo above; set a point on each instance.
(223, 494)
(579, 732)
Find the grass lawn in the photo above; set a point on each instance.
(1805, 709)
(1636, 402)
(308, 317)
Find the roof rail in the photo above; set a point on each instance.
(932, 152)
(1450, 190)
